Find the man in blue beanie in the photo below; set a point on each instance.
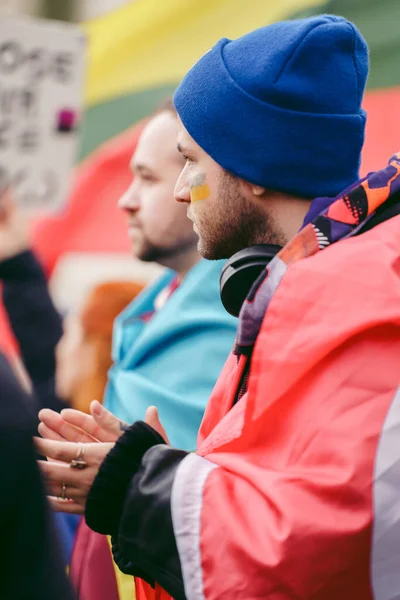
(275, 115)
(293, 491)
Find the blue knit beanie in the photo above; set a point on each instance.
(281, 106)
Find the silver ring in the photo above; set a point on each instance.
(78, 462)
(63, 492)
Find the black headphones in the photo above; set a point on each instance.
(241, 271)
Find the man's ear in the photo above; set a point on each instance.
(258, 190)
(251, 189)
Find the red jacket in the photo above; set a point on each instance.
(294, 491)
(297, 486)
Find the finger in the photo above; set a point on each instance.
(153, 420)
(48, 433)
(63, 491)
(57, 490)
(61, 473)
(107, 421)
(60, 451)
(58, 439)
(66, 506)
(66, 431)
(87, 423)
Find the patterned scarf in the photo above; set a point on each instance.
(342, 219)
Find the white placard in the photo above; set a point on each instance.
(41, 84)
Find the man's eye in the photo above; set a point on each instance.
(188, 159)
(148, 178)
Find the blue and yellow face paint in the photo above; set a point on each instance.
(199, 189)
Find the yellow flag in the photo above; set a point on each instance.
(150, 43)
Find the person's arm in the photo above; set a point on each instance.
(283, 510)
(187, 522)
(35, 322)
(115, 507)
(31, 566)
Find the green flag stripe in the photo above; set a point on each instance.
(105, 120)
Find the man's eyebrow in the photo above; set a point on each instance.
(181, 149)
(138, 167)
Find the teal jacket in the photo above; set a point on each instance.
(173, 360)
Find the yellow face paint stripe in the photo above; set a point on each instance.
(199, 192)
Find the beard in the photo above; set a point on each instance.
(233, 223)
(148, 251)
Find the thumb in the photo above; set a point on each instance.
(106, 420)
(153, 420)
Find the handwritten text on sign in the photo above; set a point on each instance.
(41, 78)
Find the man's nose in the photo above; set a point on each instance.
(182, 192)
(130, 200)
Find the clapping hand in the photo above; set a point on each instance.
(100, 426)
(76, 444)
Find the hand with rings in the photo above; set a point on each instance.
(71, 472)
(79, 442)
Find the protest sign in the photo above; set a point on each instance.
(41, 81)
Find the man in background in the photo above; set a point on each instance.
(170, 343)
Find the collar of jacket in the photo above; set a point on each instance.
(365, 204)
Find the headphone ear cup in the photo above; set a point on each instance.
(240, 272)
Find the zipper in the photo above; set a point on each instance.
(244, 381)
